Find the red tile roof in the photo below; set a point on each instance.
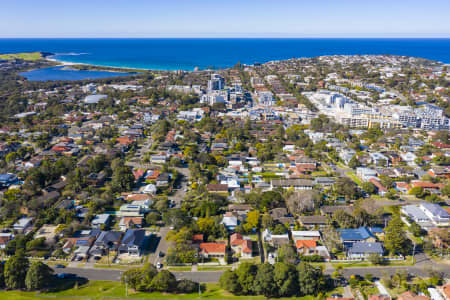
(213, 248)
(306, 244)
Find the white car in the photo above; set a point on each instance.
(159, 265)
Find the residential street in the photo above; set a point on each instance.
(420, 269)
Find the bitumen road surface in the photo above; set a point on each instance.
(213, 276)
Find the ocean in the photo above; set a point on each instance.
(189, 53)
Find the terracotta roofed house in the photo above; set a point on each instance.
(217, 250)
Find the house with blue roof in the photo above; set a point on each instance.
(8, 179)
(349, 236)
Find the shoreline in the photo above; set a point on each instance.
(125, 69)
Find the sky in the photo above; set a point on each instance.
(224, 18)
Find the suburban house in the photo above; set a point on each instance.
(306, 247)
(132, 242)
(381, 190)
(305, 235)
(5, 238)
(217, 188)
(230, 220)
(158, 159)
(350, 236)
(298, 184)
(22, 224)
(347, 154)
(162, 180)
(366, 173)
(282, 216)
(275, 240)
(436, 213)
(106, 241)
(8, 179)
(101, 220)
(130, 222)
(241, 245)
(130, 210)
(416, 214)
(442, 172)
(364, 249)
(217, 250)
(312, 222)
(329, 210)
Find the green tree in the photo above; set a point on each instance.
(264, 282)
(369, 187)
(164, 281)
(246, 273)
(229, 282)
(311, 280)
(252, 220)
(133, 278)
(148, 272)
(395, 237)
(39, 276)
(354, 162)
(285, 278)
(122, 179)
(417, 191)
(287, 254)
(446, 190)
(16, 270)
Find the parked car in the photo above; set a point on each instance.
(60, 266)
(161, 254)
(159, 265)
(65, 275)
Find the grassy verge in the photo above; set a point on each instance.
(24, 56)
(360, 264)
(180, 268)
(214, 268)
(113, 266)
(116, 290)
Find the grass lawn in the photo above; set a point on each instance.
(214, 268)
(180, 268)
(359, 264)
(354, 178)
(116, 290)
(24, 56)
(114, 266)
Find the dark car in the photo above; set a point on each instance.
(60, 266)
(65, 275)
(161, 254)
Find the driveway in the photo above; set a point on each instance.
(163, 246)
(381, 288)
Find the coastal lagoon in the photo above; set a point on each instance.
(189, 53)
(67, 73)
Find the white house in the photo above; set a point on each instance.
(22, 224)
(366, 173)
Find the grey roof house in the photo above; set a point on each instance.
(132, 242)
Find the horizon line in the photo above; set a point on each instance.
(437, 36)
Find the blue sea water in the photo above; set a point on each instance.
(65, 73)
(188, 53)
